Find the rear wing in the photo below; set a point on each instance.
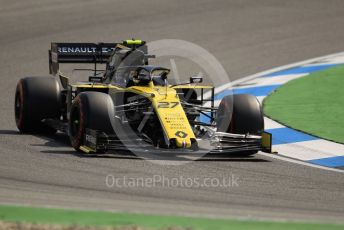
(87, 53)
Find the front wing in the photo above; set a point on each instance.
(96, 141)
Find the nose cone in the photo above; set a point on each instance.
(183, 143)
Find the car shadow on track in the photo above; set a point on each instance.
(10, 132)
(62, 140)
(129, 155)
(253, 158)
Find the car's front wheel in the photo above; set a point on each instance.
(90, 110)
(240, 114)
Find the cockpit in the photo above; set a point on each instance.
(140, 76)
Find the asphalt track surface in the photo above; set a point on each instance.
(246, 36)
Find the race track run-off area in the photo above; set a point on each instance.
(286, 141)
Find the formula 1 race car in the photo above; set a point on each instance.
(130, 103)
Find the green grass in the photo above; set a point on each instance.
(99, 219)
(313, 104)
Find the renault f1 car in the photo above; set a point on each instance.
(131, 102)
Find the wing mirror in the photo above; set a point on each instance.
(196, 79)
(95, 79)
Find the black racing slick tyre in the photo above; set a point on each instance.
(240, 114)
(36, 98)
(90, 110)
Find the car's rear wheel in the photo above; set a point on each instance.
(90, 110)
(36, 98)
(240, 114)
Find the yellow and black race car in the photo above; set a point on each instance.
(131, 104)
